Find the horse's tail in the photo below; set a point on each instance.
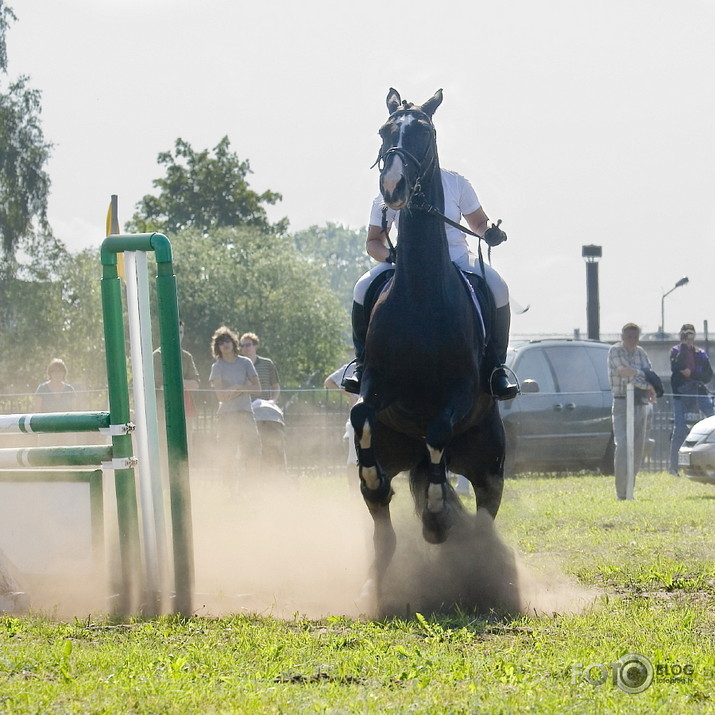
(419, 481)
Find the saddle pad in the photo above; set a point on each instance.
(475, 301)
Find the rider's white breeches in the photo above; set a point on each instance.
(467, 262)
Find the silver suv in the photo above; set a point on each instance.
(562, 419)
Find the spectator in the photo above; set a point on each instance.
(234, 379)
(690, 371)
(334, 381)
(190, 376)
(628, 362)
(266, 369)
(55, 395)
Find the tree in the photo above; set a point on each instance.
(52, 313)
(253, 281)
(24, 184)
(6, 17)
(204, 192)
(340, 252)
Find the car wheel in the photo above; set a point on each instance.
(608, 461)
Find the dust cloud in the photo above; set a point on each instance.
(286, 545)
(306, 548)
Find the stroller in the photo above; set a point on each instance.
(271, 427)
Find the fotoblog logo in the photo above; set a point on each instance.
(632, 673)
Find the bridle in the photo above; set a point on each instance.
(422, 165)
(416, 196)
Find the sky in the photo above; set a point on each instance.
(577, 123)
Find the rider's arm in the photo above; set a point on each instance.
(477, 220)
(376, 243)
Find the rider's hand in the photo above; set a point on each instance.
(494, 235)
(391, 255)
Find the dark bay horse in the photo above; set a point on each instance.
(423, 407)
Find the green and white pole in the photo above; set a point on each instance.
(145, 418)
(54, 422)
(118, 391)
(177, 445)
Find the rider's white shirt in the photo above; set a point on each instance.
(460, 199)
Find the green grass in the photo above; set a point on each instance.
(651, 561)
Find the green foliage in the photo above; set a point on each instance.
(24, 184)
(340, 251)
(204, 192)
(6, 17)
(52, 310)
(253, 281)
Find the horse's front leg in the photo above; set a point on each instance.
(377, 493)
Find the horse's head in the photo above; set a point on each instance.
(409, 147)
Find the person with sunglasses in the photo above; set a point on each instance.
(265, 367)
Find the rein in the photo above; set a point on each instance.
(417, 193)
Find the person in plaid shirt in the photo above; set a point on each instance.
(627, 362)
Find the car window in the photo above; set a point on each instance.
(532, 365)
(599, 359)
(573, 369)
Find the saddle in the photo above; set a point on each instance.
(476, 287)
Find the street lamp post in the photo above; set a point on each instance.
(681, 282)
(591, 254)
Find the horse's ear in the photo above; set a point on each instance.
(430, 106)
(393, 100)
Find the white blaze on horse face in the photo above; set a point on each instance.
(391, 178)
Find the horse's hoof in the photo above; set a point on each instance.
(435, 527)
(434, 537)
(368, 599)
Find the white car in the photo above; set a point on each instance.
(697, 455)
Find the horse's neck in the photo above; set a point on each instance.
(423, 253)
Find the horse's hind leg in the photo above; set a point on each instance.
(440, 502)
(377, 493)
(437, 515)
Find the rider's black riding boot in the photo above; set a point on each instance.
(499, 383)
(352, 384)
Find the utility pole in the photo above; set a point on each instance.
(592, 254)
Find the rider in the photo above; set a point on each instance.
(460, 200)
